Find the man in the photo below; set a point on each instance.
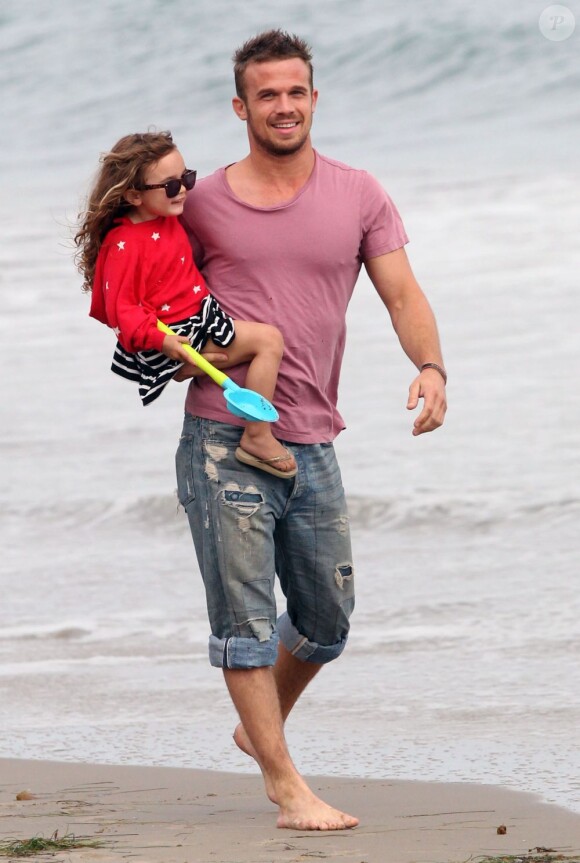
(280, 237)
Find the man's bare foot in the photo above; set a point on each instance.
(263, 445)
(303, 810)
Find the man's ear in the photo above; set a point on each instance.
(239, 108)
(133, 197)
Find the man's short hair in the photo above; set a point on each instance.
(270, 45)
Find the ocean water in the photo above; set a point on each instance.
(463, 662)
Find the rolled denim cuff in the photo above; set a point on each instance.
(299, 646)
(238, 652)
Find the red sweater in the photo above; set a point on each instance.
(145, 271)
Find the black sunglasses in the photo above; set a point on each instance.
(173, 187)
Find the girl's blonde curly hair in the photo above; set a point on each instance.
(122, 168)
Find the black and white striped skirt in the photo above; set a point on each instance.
(152, 370)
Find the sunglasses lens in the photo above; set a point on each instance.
(188, 180)
(172, 188)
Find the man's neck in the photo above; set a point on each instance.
(264, 180)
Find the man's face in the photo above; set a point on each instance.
(278, 105)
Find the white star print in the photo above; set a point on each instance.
(155, 235)
(196, 289)
(117, 331)
(121, 245)
(183, 260)
(106, 286)
(165, 308)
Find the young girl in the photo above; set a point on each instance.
(136, 259)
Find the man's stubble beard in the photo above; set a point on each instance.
(273, 149)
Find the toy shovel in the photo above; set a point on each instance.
(247, 404)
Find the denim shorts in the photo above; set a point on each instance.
(249, 526)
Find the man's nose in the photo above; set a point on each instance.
(284, 104)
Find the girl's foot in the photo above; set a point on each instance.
(270, 465)
(264, 452)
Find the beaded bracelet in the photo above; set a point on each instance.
(437, 368)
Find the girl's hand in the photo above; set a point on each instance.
(172, 348)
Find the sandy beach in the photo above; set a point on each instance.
(169, 815)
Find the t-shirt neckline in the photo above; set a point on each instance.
(280, 206)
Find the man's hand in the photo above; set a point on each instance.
(429, 385)
(189, 369)
(415, 325)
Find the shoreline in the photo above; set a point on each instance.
(183, 815)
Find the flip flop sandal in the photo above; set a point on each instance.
(266, 464)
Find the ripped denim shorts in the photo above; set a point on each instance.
(249, 527)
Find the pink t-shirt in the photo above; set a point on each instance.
(293, 265)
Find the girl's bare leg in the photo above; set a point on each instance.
(262, 346)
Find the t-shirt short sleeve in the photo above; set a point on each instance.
(382, 226)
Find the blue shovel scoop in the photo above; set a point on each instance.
(247, 404)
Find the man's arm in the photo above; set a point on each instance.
(415, 326)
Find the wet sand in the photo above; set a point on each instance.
(169, 815)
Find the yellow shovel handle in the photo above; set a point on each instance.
(215, 374)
